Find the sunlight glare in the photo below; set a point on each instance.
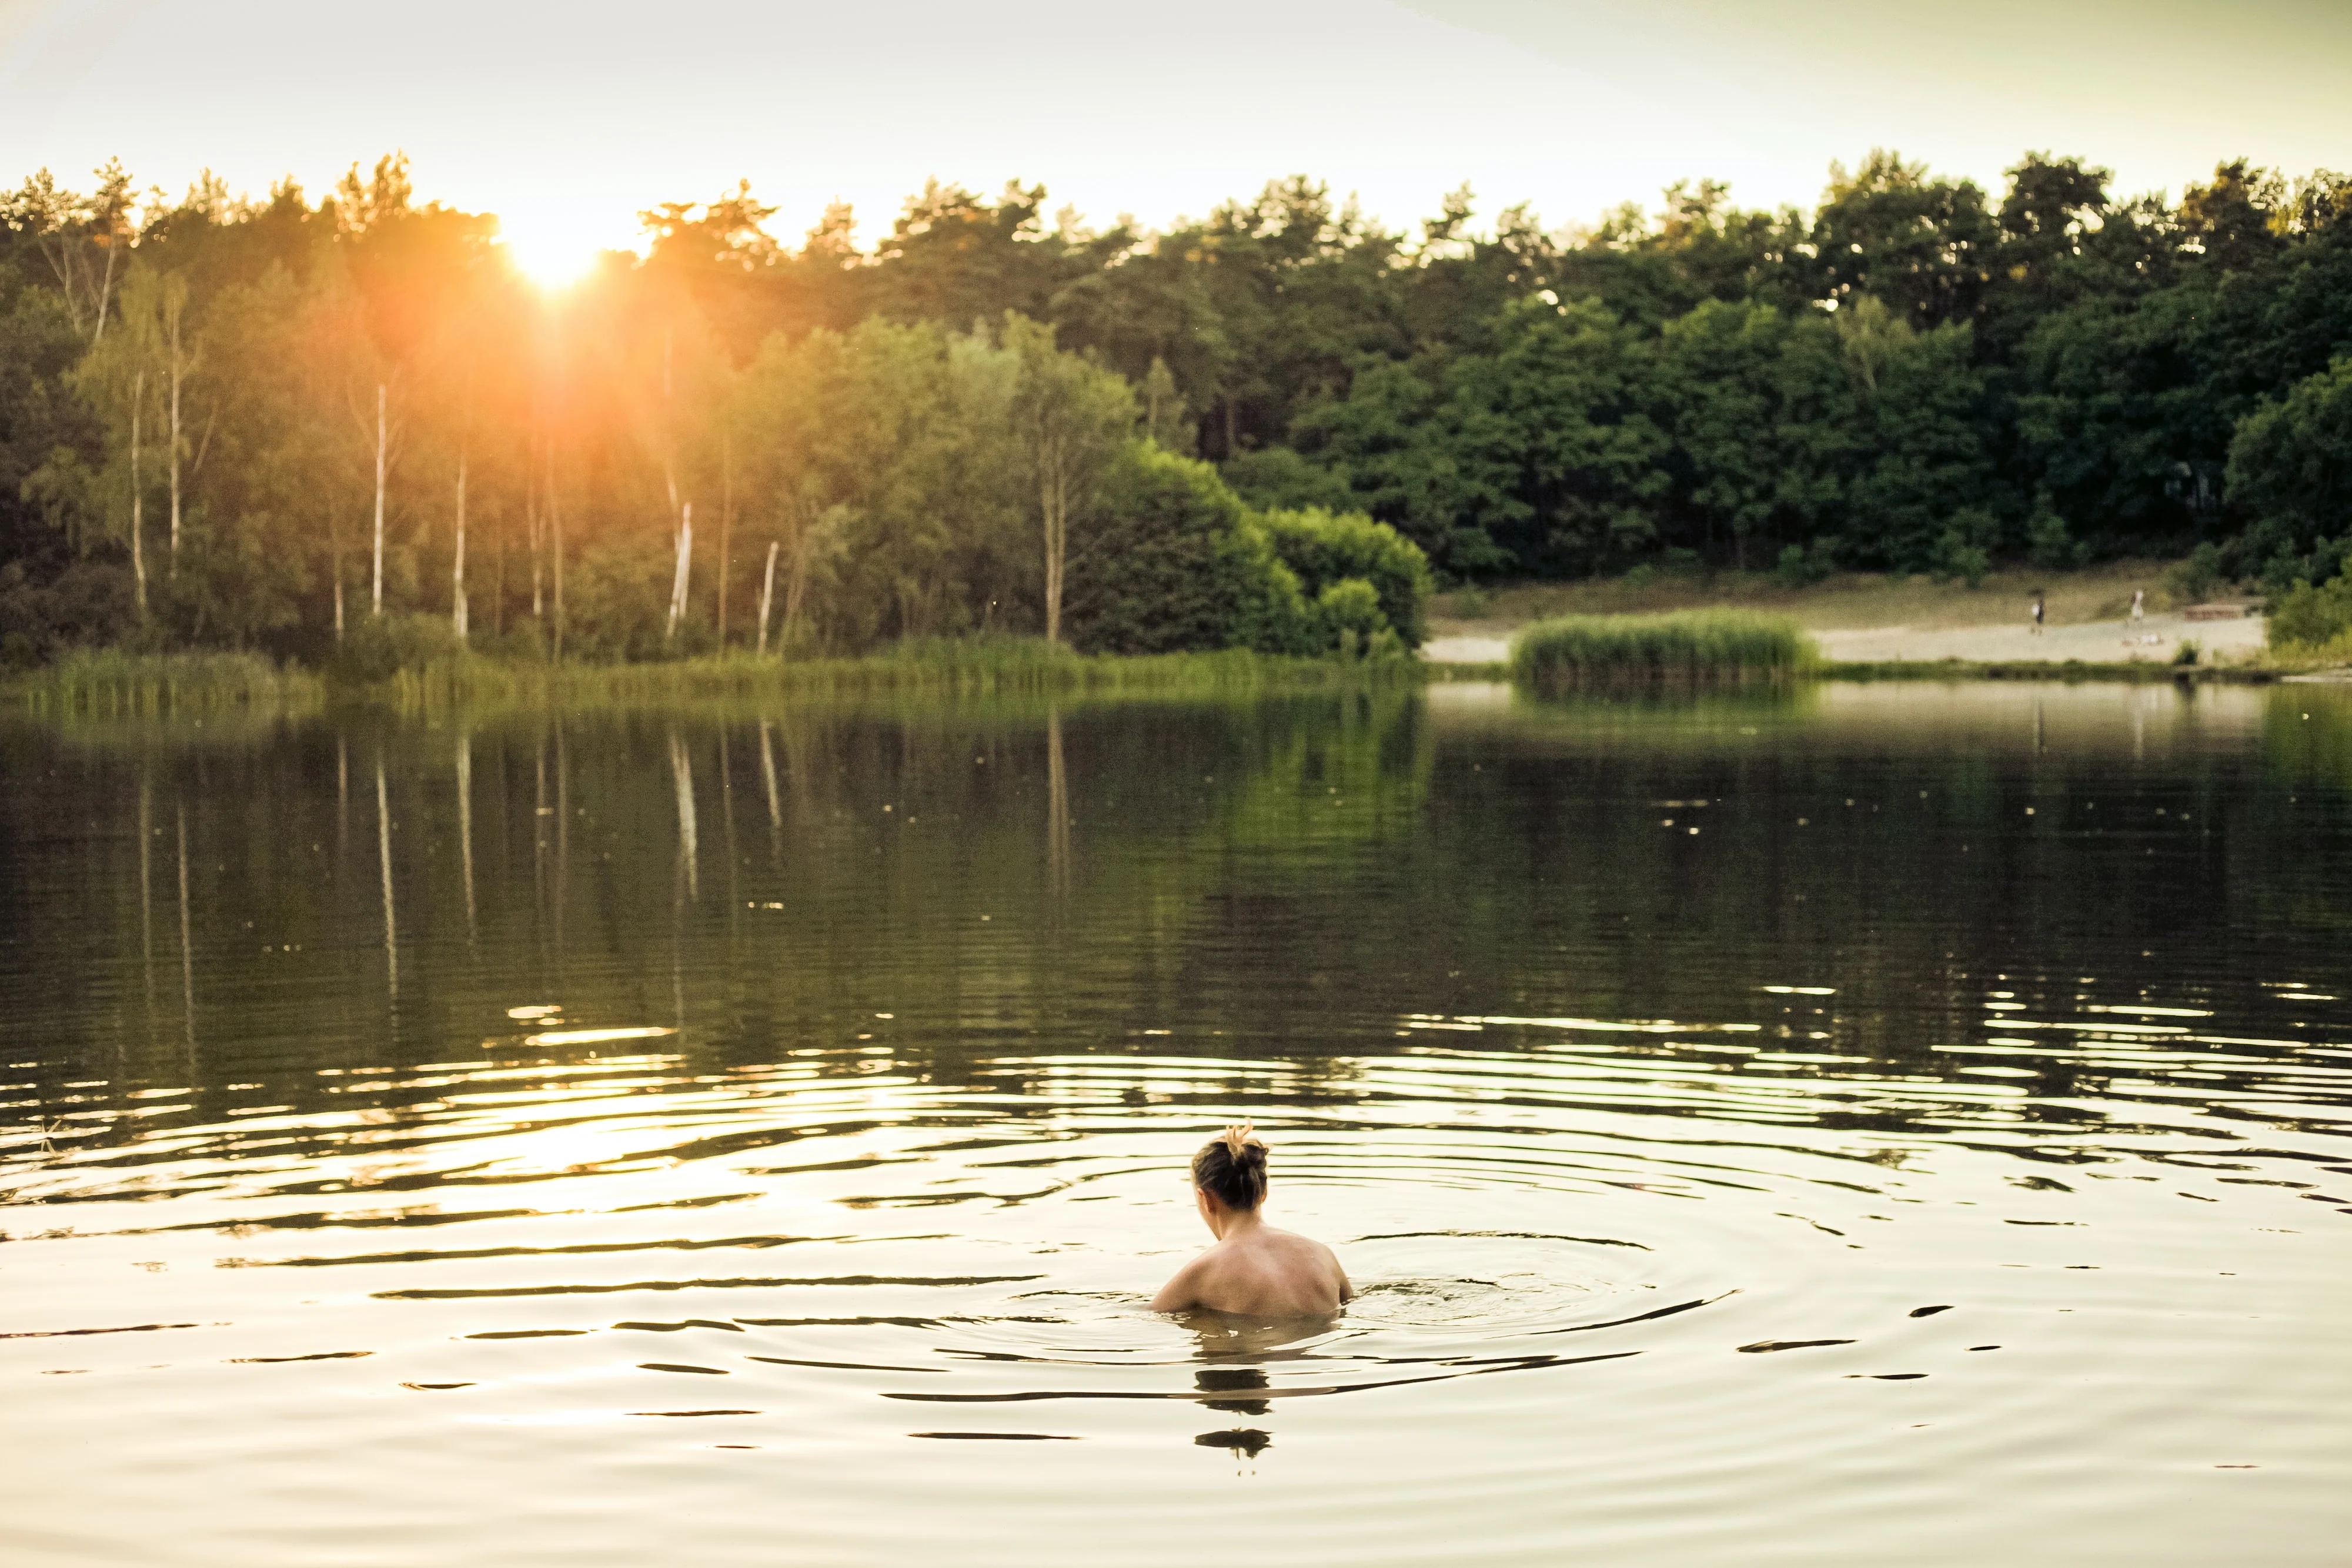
(550, 248)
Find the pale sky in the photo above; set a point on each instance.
(569, 119)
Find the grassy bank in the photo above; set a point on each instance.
(115, 685)
(1694, 649)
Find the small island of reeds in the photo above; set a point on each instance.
(1683, 650)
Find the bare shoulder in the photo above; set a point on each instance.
(1184, 1288)
(1340, 1275)
(1306, 1249)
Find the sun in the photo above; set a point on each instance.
(550, 250)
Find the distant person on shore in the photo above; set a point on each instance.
(2139, 605)
(2038, 611)
(1254, 1271)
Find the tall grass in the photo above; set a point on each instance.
(109, 682)
(939, 667)
(1688, 650)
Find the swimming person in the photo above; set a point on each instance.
(1254, 1269)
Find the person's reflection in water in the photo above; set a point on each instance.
(1238, 1347)
(1254, 1271)
(1236, 1382)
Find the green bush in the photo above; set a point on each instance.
(1801, 568)
(1324, 549)
(2306, 617)
(377, 647)
(2049, 542)
(1349, 612)
(1687, 648)
(1176, 564)
(2188, 581)
(1964, 549)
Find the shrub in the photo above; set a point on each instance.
(1349, 611)
(2048, 540)
(2307, 617)
(1801, 568)
(1323, 548)
(2186, 582)
(377, 647)
(1689, 648)
(1177, 562)
(1963, 549)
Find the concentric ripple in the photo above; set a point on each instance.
(540, 1196)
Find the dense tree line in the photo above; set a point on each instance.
(261, 421)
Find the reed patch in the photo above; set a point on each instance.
(1689, 650)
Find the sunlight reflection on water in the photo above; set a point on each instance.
(1785, 1185)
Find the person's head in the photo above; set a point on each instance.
(1229, 1173)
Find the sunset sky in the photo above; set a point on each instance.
(567, 119)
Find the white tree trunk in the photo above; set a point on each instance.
(767, 597)
(105, 292)
(685, 557)
(555, 543)
(378, 594)
(175, 448)
(1054, 508)
(138, 516)
(457, 562)
(726, 526)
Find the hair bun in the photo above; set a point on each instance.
(1233, 1167)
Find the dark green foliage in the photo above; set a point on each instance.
(1799, 567)
(1278, 477)
(1176, 562)
(1917, 376)
(2291, 469)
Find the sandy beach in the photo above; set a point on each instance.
(2154, 640)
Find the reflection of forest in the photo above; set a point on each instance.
(973, 889)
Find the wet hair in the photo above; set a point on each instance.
(1232, 1168)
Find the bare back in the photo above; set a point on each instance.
(1258, 1272)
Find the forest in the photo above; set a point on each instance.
(351, 428)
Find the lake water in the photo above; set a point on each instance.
(1902, 1123)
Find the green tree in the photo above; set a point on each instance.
(2291, 470)
(1073, 418)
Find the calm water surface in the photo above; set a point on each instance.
(1903, 1124)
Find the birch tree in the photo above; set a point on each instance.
(1073, 416)
(85, 240)
(118, 377)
